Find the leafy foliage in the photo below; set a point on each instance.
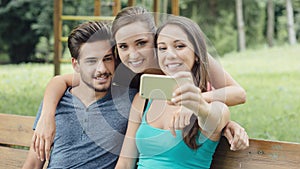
(16, 30)
(26, 29)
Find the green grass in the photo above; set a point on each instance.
(271, 78)
(22, 86)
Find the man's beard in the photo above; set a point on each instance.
(102, 90)
(93, 87)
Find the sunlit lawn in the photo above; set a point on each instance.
(272, 81)
(270, 77)
(22, 86)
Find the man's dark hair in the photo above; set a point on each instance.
(88, 32)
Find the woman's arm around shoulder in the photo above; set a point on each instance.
(227, 90)
(45, 129)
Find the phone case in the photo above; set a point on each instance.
(157, 86)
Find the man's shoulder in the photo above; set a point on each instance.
(132, 91)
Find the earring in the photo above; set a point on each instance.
(197, 60)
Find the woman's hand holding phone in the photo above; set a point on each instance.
(188, 94)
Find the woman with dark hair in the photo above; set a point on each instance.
(181, 52)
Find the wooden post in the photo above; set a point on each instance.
(131, 2)
(116, 7)
(175, 7)
(156, 7)
(57, 34)
(97, 7)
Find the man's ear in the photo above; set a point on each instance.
(75, 65)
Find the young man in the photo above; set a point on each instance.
(89, 125)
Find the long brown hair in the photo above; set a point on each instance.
(199, 69)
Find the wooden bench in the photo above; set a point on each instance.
(16, 132)
(261, 154)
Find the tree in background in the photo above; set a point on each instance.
(31, 22)
(217, 20)
(270, 23)
(290, 22)
(240, 25)
(296, 7)
(15, 30)
(43, 26)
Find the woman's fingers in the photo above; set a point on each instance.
(186, 88)
(243, 141)
(171, 126)
(187, 121)
(37, 147)
(42, 148)
(180, 120)
(33, 139)
(183, 74)
(47, 149)
(227, 133)
(240, 140)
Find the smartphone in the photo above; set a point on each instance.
(158, 87)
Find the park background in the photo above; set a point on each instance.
(259, 48)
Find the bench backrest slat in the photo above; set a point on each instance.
(16, 129)
(260, 154)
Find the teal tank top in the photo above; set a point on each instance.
(159, 149)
